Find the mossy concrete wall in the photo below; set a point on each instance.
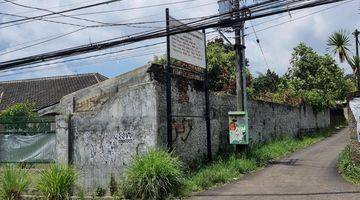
(354, 126)
(111, 122)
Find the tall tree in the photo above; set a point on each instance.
(316, 78)
(268, 82)
(339, 43)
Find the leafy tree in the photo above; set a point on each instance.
(317, 79)
(221, 66)
(16, 114)
(268, 82)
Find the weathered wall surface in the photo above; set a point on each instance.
(354, 126)
(110, 123)
(114, 120)
(266, 120)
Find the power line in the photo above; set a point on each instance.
(85, 64)
(261, 49)
(133, 8)
(60, 6)
(85, 58)
(128, 24)
(303, 16)
(105, 24)
(63, 11)
(91, 56)
(47, 20)
(42, 42)
(209, 22)
(2, 2)
(55, 13)
(99, 46)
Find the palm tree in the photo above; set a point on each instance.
(339, 42)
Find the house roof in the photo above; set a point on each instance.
(44, 92)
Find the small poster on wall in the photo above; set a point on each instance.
(238, 128)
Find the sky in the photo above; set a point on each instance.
(278, 34)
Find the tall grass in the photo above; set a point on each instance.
(13, 182)
(57, 182)
(155, 175)
(347, 168)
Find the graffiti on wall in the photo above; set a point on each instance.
(183, 129)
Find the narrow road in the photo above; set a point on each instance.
(307, 174)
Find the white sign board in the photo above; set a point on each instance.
(187, 47)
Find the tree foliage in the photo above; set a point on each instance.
(312, 78)
(16, 114)
(268, 82)
(339, 43)
(221, 66)
(317, 79)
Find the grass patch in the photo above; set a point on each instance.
(155, 175)
(13, 182)
(230, 168)
(347, 168)
(57, 182)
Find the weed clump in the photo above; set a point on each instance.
(13, 182)
(155, 175)
(57, 182)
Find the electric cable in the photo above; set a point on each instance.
(46, 20)
(209, 22)
(63, 11)
(261, 49)
(300, 17)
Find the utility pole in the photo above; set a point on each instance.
(356, 34)
(240, 59)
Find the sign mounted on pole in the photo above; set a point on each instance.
(190, 49)
(187, 47)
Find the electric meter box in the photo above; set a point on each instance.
(238, 127)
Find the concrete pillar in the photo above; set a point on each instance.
(62, 139)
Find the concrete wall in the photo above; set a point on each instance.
(114, 120)
(354, 126)
(110, 123)
(266, 120)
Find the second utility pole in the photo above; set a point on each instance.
(356, 33)
(240, 60)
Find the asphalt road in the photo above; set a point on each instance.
(307, 174)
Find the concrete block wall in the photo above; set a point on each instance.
(109, 123)
(267, 120)
(354, 127)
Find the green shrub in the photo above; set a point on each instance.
(57, 182)
(155, 175)
(348, 169)
(13, 182)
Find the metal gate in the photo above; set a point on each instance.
(29, 140)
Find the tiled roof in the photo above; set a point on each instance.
(46, 91)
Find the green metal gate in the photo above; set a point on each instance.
(29, 140)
